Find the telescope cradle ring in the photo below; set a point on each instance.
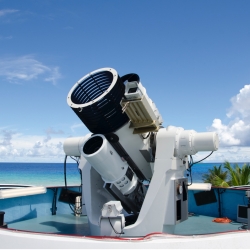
(95, 99)
(84, 94)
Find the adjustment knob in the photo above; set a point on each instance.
(179, 189)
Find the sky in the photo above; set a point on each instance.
(193, 58)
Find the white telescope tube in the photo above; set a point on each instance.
(189, 142)
(72, 146)
(208, 141)
(105, 160)
(102, 156)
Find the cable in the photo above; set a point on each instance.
(72, 207)
(79, 170)
(146, 136)
(75, 159)
(65, 178)
(191, 163)
(114, 229)
(201, 159)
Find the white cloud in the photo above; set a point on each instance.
(7, 137)
(76, 126)
(53, 131)
(241, 103)
(50, 131)
(38, 144)
(53, 150)
(237, 131)
(27, 68)
(55, 75)
(30, 148)
(7, 11)
(231, 154)
(235, 135)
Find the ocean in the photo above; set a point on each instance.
(52, 174)
(39, 174)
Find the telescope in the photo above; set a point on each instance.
(133, 169)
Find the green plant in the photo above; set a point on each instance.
(233, 176)
(216, 176)
(238, 175)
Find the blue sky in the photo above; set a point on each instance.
(193, 57)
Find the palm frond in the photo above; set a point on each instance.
(238, 175)
(233, 174)
(218, 182)
(216, 176)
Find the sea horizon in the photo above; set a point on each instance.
(52, 174)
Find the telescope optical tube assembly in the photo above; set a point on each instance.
(189, 142)
(95, 99)
(105, 160)
(127, 150)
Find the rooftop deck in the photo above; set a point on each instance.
(70, 224)
(34, 213)
(58, 224)
(200, 224)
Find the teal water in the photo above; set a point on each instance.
(52, 174)
(45, 174)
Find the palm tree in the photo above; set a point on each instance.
(238, 176)
(216, 176)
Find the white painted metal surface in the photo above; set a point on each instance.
(18, 192)
(72, 146)
(200, 186)
(233, 240)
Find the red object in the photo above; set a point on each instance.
(222, 220)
